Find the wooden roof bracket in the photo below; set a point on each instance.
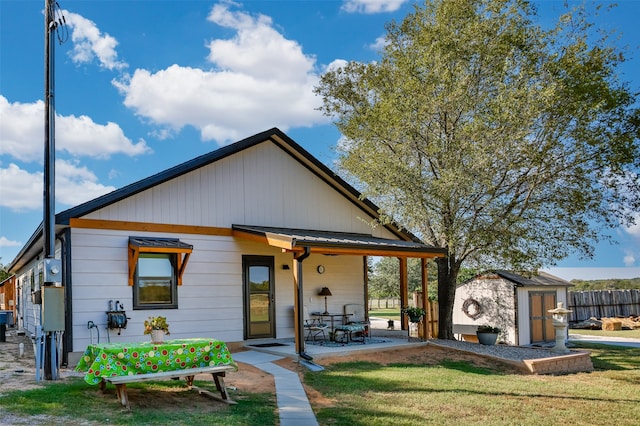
(182, 259)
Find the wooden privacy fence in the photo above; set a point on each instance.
(432, 318)
(603, 304)
(384, 303)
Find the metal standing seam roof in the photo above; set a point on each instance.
(172, 243)
(539, 279)
(291, 239)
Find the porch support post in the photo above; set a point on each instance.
(365, 273)
(404, 290)
(426, 323)
(298, 293)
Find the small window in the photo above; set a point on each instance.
(156, 267)
(155, 283)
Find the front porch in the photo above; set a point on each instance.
(528, 359)
(381, 339)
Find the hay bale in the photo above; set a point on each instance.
(611, 324)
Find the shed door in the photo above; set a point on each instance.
(259, 296)
(541, 320)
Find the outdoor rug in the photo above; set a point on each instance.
(332, 344)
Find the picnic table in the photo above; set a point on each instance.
(122, 363)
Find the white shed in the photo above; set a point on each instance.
(518, 304)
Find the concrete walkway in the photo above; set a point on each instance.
(293, 404)
(605, 340)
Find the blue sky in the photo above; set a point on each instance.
(143, 85)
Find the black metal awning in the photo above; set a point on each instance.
(329, 242)
(139, 245)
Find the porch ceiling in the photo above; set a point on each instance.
(334, 243)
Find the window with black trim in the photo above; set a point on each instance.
(156, 267)
(155, 282)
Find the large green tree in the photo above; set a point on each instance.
(509, 144)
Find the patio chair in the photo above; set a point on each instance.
(314, 327)
(354, 313)
(346, 333)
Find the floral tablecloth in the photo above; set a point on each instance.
(128, 359)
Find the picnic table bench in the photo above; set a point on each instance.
(123, 363)
(218, 374)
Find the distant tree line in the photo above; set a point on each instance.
(609, 284)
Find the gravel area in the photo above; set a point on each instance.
(513, 353)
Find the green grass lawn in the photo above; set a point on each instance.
(387, 313)
(454, 393)
(368, 393)
(77, 403)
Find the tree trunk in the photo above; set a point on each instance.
(447, 276)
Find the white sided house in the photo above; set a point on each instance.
(228, 245)
(517, 304)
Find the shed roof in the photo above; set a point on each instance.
(541, 279)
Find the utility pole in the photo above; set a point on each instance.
(52, 270)
(49, 132)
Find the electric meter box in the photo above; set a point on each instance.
(52, 308)
(52, 271)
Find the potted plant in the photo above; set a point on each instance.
(414, 313)
(487, 334)
(157, 327)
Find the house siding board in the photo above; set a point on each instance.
(210, 299)
(260, 186)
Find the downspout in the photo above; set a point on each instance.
(65, 255)
(300, 303)
(516, 316)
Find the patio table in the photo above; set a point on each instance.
(332, 316)
(121, 363)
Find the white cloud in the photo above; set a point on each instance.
(336, 64)
(634, 230)
(82, 136)
(259, 80)
(22, 190)
(379, 44)
(5, 242)
(75, 185)
(629, 259)
(90, 43)
(257, 50)
(372, 6)
(22, 129)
